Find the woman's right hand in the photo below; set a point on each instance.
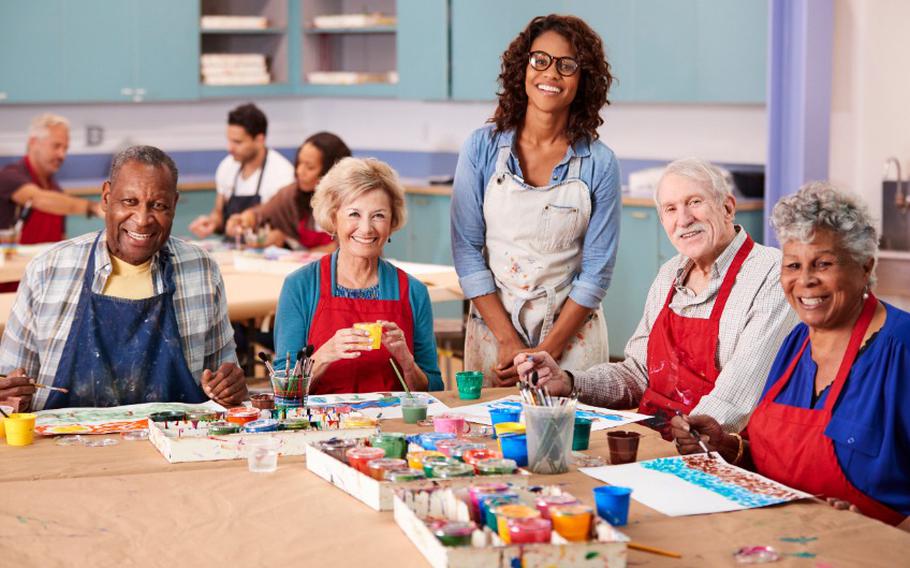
(347, 343)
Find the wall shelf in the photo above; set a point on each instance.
(363, 30)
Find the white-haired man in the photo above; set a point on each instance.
(28, 190)
(714, 318)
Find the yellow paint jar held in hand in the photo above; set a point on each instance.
(20, 429)
(375, 330)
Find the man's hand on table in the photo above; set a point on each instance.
(226, 386)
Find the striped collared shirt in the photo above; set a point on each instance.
(754, 323)
(45, 307)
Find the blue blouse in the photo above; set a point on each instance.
(870, 426)
(300, 296)
(477, 164)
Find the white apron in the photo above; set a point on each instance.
(534, 239)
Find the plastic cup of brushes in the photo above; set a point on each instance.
(454, 533)
(414, 408)
(496, 466)
(623, 446)
(544, 503)
(20, 428)
(515, 447)
(380, 468)
(506, 513)
(262, 456)
(613, 503)
(337, 448)
(573, 522)
(393, 443)
(358, 458)
(550, 430)
(288, 390)
(470, 384)
(581, 438)
(526, 531)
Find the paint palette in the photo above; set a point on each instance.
(379, 494)
(414, 507)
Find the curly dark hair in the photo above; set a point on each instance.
(594, 82)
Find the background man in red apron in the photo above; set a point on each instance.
(714, 318)
(28, 190)
(125, 315)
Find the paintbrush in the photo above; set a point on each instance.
(697, 435)
(653, 550)
(400, 378)
(48, 387)
(3, 412)
(268, 365)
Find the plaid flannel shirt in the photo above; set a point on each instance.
(45, 307)
(755, 321)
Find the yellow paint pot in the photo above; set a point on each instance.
(573, 522)
(509, 428)
(505, 512)
(415, 459)
(375, 330)
(20, 429)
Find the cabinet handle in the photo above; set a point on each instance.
(126, 91)
(639, 215)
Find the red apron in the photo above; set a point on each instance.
(371, 371)
(41, 227)
(789, 444)
(682, 353)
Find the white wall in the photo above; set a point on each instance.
(870, 107)
(728, 133)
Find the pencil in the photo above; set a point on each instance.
(653, 550)
(48, 387)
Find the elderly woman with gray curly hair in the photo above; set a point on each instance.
(833, 418)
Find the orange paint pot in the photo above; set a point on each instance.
(241, 414)
(358, 458)
(573, 522)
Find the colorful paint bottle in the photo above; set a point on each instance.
(242, 414)
(429, 439)
(505, 513)
(525, 531)
(358, 458)
(394, 444)
(477, 492)
(268, 425)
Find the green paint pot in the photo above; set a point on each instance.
(470, 384)
(394, 444)
(581, 438)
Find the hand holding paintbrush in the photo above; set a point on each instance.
(684, 431)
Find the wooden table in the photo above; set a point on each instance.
(126, 505)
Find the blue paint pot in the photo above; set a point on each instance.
(515, 447)
(428, 440)
(500, 414)
(267, 425)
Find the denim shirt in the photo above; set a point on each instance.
(477, 164)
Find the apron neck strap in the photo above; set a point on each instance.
(856, 341)
(258, 182)
(730, 278)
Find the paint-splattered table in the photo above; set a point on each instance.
(124, 505)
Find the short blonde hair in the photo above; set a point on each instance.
(41, 123)
(349, 179)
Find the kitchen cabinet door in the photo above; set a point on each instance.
(31, 65)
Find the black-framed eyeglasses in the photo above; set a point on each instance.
(565, 66)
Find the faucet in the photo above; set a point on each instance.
(900, 200)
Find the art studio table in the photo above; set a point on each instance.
(125, 505)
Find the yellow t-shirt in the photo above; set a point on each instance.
(130, 281)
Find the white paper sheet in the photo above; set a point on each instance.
(694, 485)
(601, 418)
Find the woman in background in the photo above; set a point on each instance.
(288, 213)
(536, 206)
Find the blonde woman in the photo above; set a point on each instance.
(361, 202)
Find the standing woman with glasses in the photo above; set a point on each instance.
(536, 206)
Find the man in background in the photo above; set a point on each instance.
(251, 174)
(29, 192)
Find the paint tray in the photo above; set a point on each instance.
(607, 546)
(379, 494)
(188, 441)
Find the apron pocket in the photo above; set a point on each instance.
(855, 436)
(559, 226)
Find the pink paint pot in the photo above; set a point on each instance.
(523, 531)
(451, 424)
(544, 503)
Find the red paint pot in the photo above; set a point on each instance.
(358, 458)
(242, 414)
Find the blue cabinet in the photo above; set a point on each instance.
(422, 49)
(659, 50)
(99, 50)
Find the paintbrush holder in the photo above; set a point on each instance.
(290, 391)
(549, 430)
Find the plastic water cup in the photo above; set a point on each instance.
(414, 409)
(549, 431)
(515, 447)
(20, 429)
(262, 456)
(613, 503)
(623, 446)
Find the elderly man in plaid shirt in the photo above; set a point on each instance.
(126, 315)
(714, 318)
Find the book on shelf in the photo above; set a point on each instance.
(219, 22)
(342, 21)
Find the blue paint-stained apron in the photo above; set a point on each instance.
(124, 351)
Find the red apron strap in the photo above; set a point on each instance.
(856, 341)
(325, 277)
(730, 278)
